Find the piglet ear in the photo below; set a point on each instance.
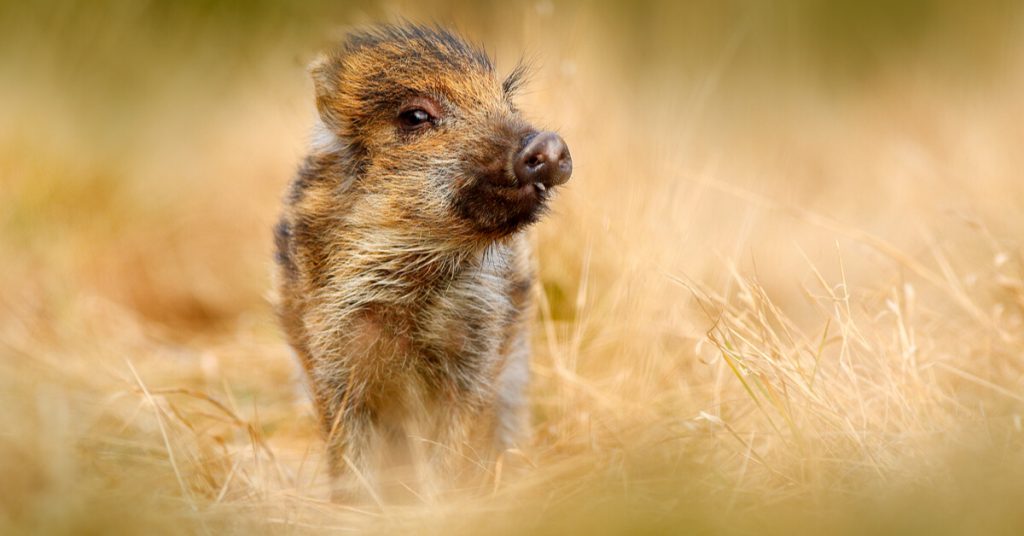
(326, 73)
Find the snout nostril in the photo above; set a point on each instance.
(544, 159)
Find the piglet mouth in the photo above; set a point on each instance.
(511, 196)
(500, 206)
(528, 190)
(507, 186)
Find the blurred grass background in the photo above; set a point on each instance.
(783, 293)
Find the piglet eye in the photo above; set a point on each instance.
(414, 119)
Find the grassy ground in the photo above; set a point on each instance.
(784, 291)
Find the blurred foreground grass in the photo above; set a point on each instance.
(784, 292)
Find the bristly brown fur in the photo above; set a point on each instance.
(404, 275)
(516, 79)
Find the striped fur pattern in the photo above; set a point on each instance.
(403, 271)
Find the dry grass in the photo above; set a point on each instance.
(769, 305)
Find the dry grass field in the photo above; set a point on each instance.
(784, 292)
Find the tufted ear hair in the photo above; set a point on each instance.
(325, 71)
